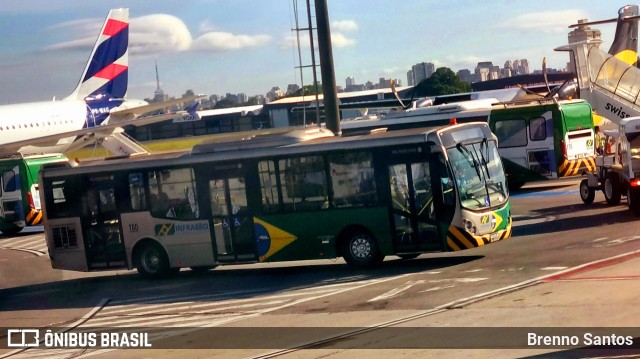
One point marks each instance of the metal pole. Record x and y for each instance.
(332, 116)
(313, 63)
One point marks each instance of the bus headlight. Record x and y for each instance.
(468, 225)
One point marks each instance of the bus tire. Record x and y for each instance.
(9, 231)
(361, 249)
(611, 189)
(633, 201)
(587, 194)
(152, 261)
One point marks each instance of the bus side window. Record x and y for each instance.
(9, 181)
(136, 192)
(511, 133)
(303, 183)
(352, 179)
(173, 194)
(268, 186)
(537, 129)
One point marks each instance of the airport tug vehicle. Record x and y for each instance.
(617, 167)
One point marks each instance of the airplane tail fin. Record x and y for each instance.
(192, 111)
(106, 72)
(625, 43)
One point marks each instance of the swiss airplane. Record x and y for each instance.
(96, 110)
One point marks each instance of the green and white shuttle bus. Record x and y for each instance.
(304, 195)
(19, 197)
(539, 139)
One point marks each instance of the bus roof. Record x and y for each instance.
(245, 149)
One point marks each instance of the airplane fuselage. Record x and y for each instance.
(31, 120)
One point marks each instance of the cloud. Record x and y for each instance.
(153, 34)
(158, 33)
(223, 41)
(340, 40)
(344, 26)
(554, 22)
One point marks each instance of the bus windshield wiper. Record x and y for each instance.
(466, 151)
(485, 144)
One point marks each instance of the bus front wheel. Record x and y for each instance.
(361, 250)
(152, 261)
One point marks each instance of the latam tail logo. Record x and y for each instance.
(103, 84)
(108, 70)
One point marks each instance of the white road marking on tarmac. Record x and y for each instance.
(523, 222)
(396, 291)
(553, 268)
(437, 288)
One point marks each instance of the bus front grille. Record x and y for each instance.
(64, 237)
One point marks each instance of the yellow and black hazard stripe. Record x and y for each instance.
(459, 239)
(34, 218)
(576, 167)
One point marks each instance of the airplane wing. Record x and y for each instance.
(119, 115)
(68, 141)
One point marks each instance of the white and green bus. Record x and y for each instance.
(303, 195)
(539, 139)
(19, 197)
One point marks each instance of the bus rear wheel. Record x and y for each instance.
(633, 200)
(152, 261)
(361, 250)
(9, 231)
(611, 189)
(586, 194)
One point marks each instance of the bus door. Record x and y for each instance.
(414, 218)
(232, 220)
(101, 225)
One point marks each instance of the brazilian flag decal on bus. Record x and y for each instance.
(459, 238)
(270, 239)
(165, 229)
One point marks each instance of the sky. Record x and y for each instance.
(247, 46)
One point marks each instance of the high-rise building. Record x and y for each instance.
(422, 71)
(292, 89)
(350, 82)
(410, 78)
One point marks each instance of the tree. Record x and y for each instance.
(308, 90)
(442, 82)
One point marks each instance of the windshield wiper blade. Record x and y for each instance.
(466, 151)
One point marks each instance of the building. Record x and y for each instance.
(274, 94)
(485, 71)
(422, 71)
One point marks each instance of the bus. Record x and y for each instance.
(19, 196)
(539, 139)
(304, 195)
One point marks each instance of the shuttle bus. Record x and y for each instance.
(303, 195)
(19, 197)
(539, 139)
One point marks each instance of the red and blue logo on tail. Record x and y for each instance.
(103, 85)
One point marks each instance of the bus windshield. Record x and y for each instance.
(479, 176)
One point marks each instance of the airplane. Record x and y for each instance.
(97, 109)
(609, 80)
